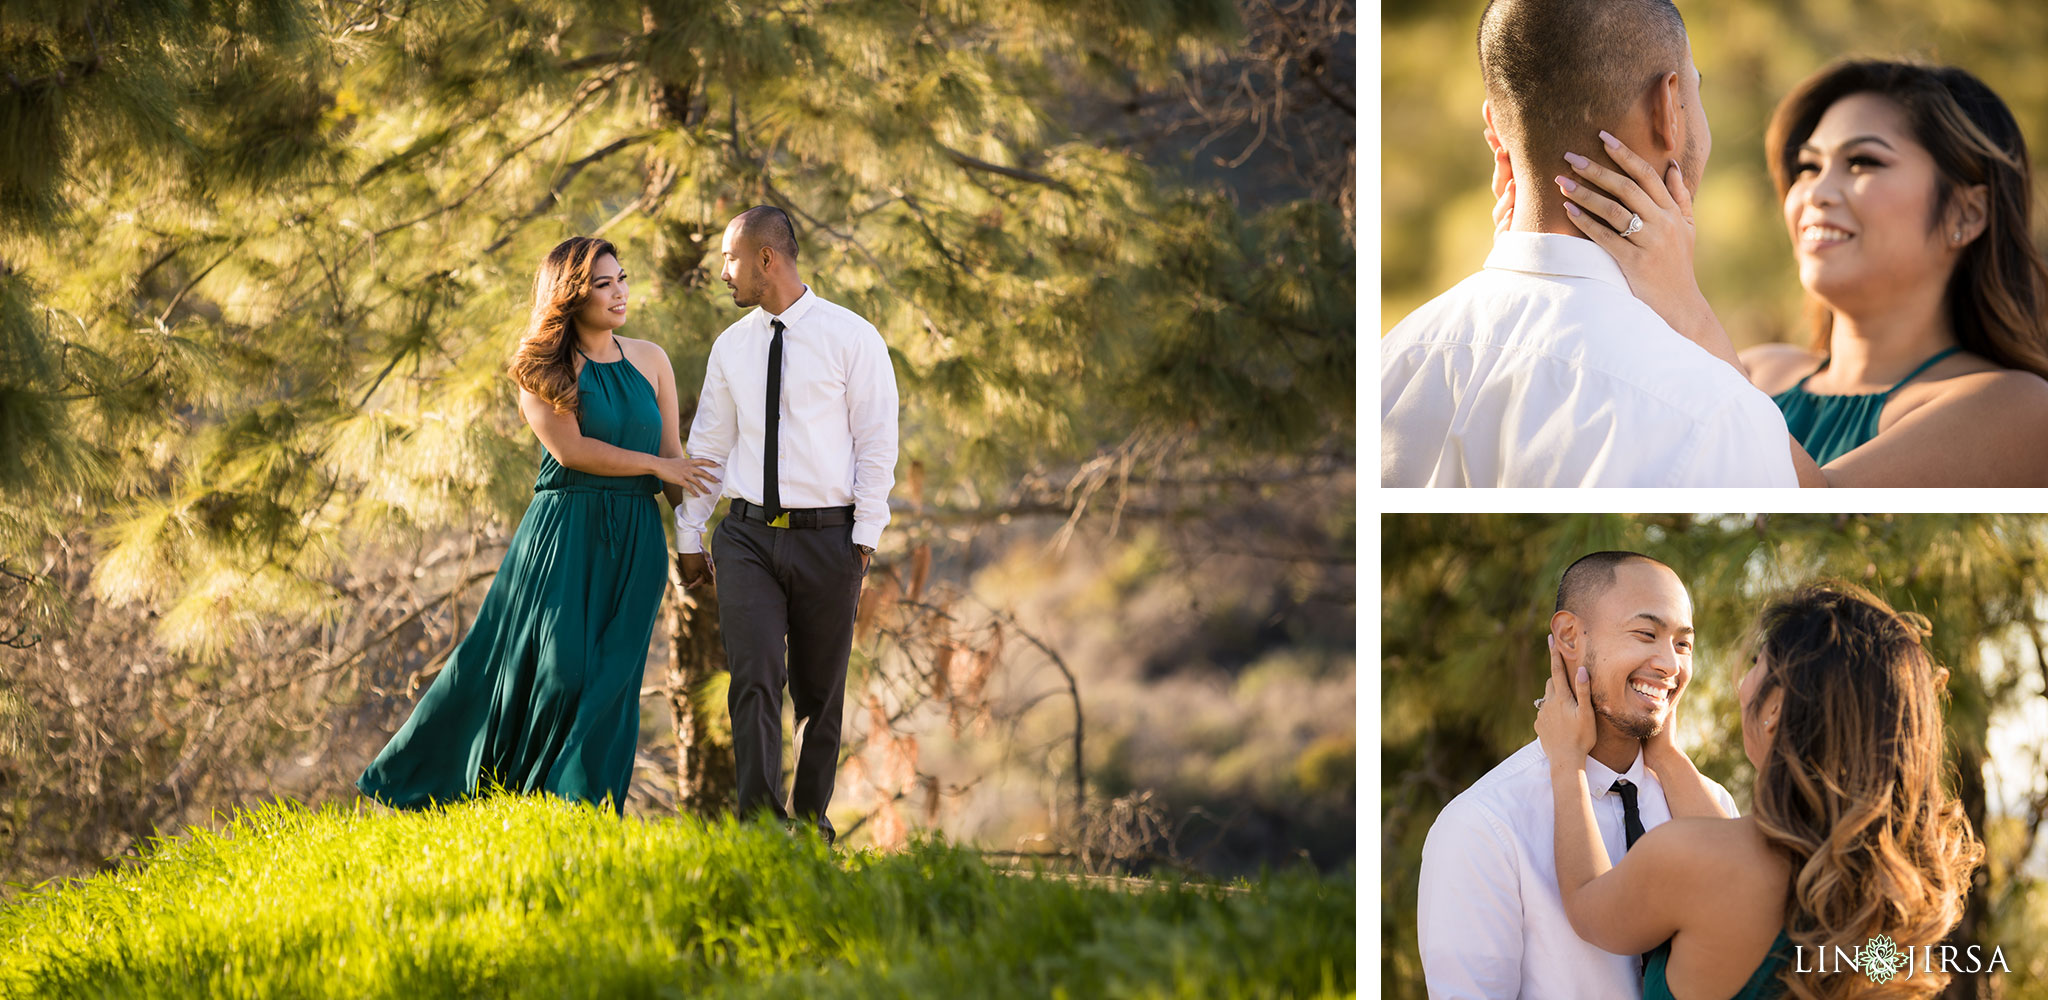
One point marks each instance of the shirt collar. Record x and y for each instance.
(795, 311)
(1555, 254)
(1600, 777)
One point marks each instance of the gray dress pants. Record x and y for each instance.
(786, 604)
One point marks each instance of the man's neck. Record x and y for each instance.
(1544, 215)
(781, 295)
(1617, 752)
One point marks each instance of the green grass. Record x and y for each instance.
(532, 896)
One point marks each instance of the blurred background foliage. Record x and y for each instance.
(1435, 204)
(1466, 602)
(262, 261)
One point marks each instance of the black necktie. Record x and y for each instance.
(771, 487)
(1631, 831)
(1631, 820)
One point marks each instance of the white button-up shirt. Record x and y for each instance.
(1489, 915)
(837, 425)
(1543, 370)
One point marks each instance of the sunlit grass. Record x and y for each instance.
(531, 896)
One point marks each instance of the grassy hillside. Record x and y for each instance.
(513, 896)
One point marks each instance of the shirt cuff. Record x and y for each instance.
(688, 542)
(869, 535)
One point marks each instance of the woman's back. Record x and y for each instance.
(1734, 930)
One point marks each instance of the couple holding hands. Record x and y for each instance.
(796, 424)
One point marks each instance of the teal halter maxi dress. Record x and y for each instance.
(543, 694)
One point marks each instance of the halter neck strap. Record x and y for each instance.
(615, 344)
(1924, 365)
(1910, 376)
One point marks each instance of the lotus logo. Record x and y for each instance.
(1882, 960)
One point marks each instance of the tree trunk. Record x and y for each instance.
(704, 776)
(1976, 906)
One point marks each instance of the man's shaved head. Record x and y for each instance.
(1558, 71)
(1585, 580)
(768, 226)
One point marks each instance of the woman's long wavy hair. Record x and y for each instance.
(545, 363)
(1997, 298)
(1852, 788)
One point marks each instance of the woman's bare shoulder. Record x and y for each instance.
(642, 348)
(1775, 368)
(1976, 390)
(649, 357)
(1716, 843)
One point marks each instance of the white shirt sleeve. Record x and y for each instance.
(712, 434)
(1468, 912)
(871, 417)
(1726, 800)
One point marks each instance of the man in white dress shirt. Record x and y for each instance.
(799, 405)
(1543, 369)
(1489, 916)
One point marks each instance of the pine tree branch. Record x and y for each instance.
(1013, 173)
(554, 192)
(590, 89)
(196, 279)
(617, 57)
(161, 260)
(937, 243)
(647, 199)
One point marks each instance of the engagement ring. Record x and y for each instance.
(1635, 225)
(1539, 703)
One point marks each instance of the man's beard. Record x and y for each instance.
(1690, 166)
(1638, 727)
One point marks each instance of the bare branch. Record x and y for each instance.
(590, 89)
(554, 192)
(1014, 173)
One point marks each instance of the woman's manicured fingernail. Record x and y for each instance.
(1567, 183)
(1612, 142)
(1577, 161)
(1569, 207)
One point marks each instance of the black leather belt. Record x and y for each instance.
(803, 517)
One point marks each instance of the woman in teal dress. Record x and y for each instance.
(543, 693)
(1907, 193)
(1852, 834)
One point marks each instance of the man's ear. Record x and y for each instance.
(1667, 118)
(1503, 165)
(1571, 642)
